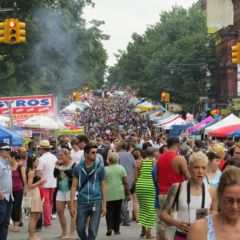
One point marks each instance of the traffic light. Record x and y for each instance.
(85, 89)
(236, 54)
(11, 31)
(128, 88)
(76, 96)
(167, 97)
(21, 32)
(2, 32)
(163, 96)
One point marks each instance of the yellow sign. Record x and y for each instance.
(225, 112)
(219, 14)
(73, 132)
(235, 104)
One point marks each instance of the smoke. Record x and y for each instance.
(57, 50)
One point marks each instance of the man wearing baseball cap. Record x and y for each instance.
(6, 198)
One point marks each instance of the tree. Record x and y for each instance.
(170, 56)
(61, 54)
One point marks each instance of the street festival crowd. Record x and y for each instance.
(183, 188)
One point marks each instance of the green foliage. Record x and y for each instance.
(170, 56)
(61, 54)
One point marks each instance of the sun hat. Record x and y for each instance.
(45, 144)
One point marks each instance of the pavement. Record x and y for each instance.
(127, 232)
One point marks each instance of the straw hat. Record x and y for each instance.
(45, 144)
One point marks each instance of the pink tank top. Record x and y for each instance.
(17, 181)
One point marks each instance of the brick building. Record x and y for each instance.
(227, 83)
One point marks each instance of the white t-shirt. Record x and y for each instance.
(46, 165)
(185, 214)
(77, 155)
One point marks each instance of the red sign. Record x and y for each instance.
(27, 104)
(24, 107)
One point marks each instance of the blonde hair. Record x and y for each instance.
(198, 156)
(66, 152)
(217, 149)
(114, 157)
(229, 177)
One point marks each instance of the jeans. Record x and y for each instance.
(85, 211)
(113, 215)
(124, 212)
(47, 206)
(5, 213)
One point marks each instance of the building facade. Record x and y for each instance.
(226, 86)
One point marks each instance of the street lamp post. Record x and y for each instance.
(10, 113)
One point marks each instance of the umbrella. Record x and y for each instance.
(4, 120)
(42, 122)
(225, 131)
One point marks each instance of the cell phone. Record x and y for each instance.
(201, 213)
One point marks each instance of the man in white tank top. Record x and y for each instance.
(192, 199)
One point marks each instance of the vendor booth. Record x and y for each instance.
(10, 137)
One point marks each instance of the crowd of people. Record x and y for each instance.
(185, 188)
(168, 190)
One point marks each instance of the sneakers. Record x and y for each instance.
(54, 216)
(109, 233)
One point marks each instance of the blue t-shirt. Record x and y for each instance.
(215, 181)
(91, 191)
(154, 175)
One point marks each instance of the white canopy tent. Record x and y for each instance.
(4, 121)
(74, 106)
(167, 119)
(177, 121)
(41, 122)
(227, 121)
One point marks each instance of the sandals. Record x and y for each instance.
(14, 229)
(149, 235)
(143, 232)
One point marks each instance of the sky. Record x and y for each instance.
(124, 17)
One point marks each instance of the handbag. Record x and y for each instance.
(27, 202)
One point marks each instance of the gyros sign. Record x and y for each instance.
(27, 104)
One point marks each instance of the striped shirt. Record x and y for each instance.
(5, 179)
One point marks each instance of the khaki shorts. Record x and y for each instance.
(162, 226)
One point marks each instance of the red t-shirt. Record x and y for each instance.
(166, 174)
(222, 164)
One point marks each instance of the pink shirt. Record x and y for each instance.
(17, 181)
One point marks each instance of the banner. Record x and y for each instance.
(24, 107)
(219, 14)
(27, 104)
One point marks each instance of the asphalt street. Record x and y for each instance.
(127, 232)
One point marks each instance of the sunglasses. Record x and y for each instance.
(93, 153)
